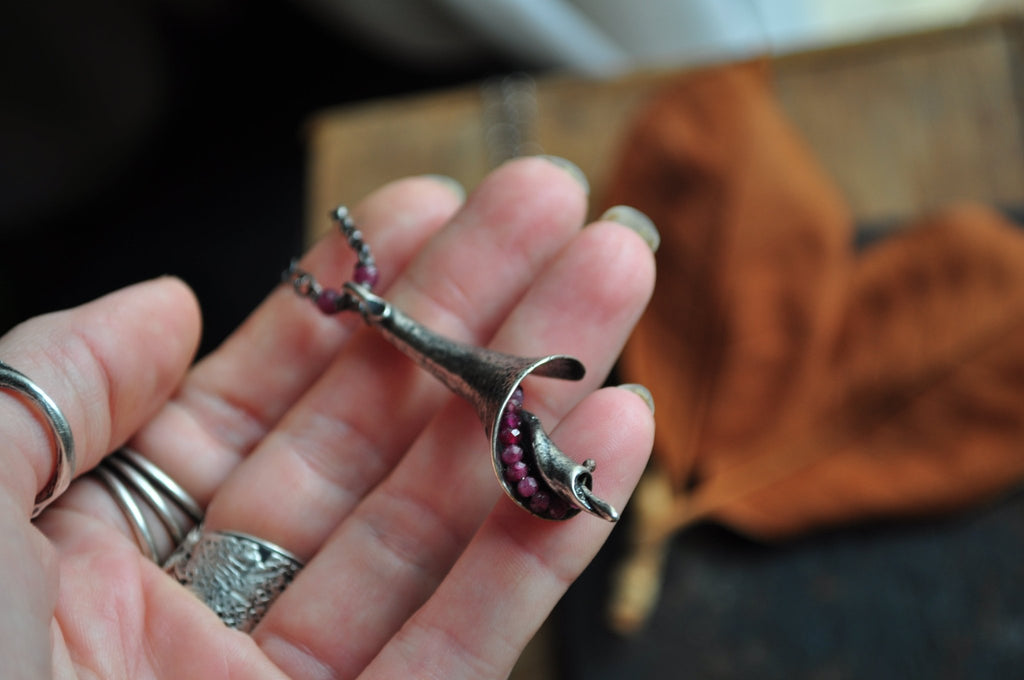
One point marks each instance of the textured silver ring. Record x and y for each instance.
(64, 443)
(129, 477)
(238, 576)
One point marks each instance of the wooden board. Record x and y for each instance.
(907, 125)
(902, 124)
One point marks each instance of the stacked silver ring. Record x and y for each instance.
(132, 478)
(238, 576)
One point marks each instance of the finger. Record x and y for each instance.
(351, 428)
(515, 570)
(495, 596)
(109, 365)
(237, 394)
(402, 539)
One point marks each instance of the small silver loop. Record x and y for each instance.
(64, 443)
(373, 307)
(237, 575)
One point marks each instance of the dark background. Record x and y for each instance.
(140, 138)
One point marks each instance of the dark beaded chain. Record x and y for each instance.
(333, 300)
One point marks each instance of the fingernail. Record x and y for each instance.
(640, 391)
(453, 184)
(570, 168)
(637, 221)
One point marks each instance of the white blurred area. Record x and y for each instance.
(605, 37)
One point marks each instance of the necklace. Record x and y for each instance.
(533, 472)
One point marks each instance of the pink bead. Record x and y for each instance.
(539, 502)
(527, 487)
(516, 472)
(557, 509)
(516, 400)
(327, 301)
(366, 275)
(511, 455)
(510, 435)
(510, 420)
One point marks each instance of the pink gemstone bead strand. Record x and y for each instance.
(516, 468)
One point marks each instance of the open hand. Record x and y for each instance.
(313, 433)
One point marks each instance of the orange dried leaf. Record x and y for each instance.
(922, 408)
(751, 267)
(799, 384)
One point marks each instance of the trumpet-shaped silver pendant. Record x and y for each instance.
(529, 466)
(531, 469)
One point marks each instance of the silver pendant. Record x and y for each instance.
(489, 381)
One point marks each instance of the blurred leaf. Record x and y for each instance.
(922, 406)
(800, 384)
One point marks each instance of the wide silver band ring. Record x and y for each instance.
(130, 478)
(64, 444)
(238, 576)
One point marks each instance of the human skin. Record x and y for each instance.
(312, 432)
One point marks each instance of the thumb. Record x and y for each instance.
(108, 365)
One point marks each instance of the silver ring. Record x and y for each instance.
(64, 443)
(129, 476)
(238, 576)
